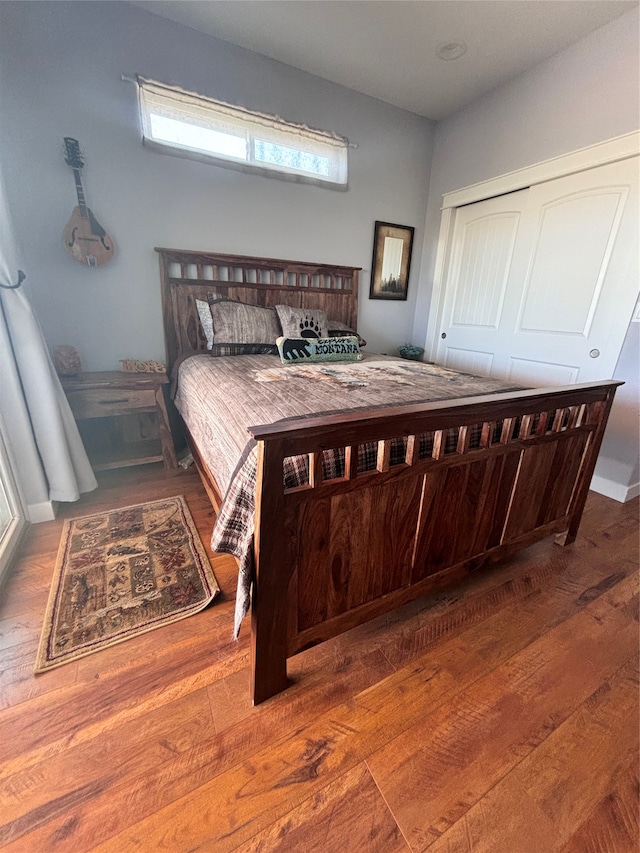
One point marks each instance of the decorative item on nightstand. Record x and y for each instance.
(411, 352)
(132, 365)
(66, 361)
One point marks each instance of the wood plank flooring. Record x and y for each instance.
(500, 716)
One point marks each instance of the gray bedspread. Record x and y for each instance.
(219, 398)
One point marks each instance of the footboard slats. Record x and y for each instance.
(543, 420)
(452, 450)
(559, 419)
(384, 455)
(464, 439)
(526, 425)
(450, 487)
(486, 439)
(439, 444)
(575, 415)
(508, 429)
(351, 461)
(315, 469)
(413, 448)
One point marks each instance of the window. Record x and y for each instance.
(204, 128)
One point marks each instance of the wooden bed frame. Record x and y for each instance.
(332, 554)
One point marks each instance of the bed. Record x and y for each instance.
(450, 486)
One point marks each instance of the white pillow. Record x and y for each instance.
(206, 320)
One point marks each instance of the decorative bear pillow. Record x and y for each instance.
(302, 322)
(296, 350)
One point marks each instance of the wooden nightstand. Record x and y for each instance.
(122, 417)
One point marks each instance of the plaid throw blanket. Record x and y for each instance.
(220, 397)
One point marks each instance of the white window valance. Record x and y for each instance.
(195, 125)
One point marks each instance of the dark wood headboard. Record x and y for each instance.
(187, 276)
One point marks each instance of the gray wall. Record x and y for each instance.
(60, 67)
(586, 94)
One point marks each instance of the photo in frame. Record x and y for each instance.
(391, 261)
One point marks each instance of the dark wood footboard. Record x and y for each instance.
(502, 471)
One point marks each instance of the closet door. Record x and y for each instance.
(484, 268)
(543, 282)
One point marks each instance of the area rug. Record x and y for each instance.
(122, 573)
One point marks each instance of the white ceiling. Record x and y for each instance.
(387, 48)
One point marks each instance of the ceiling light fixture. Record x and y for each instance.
(451, 49)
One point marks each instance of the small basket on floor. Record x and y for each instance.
(411, 352)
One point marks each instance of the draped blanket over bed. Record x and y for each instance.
(401, 485)
(219, 398)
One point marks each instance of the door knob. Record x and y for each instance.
(443, 335)
(594, 353)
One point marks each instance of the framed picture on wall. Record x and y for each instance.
(391, 262)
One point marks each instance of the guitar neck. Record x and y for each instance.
(80, 193)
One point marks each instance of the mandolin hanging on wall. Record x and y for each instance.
(83, 237)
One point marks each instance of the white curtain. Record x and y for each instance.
(51, 462)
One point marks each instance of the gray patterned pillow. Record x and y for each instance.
(302, 322)
(237, 323)
(337, 329)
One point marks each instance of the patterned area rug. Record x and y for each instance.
(121, 573)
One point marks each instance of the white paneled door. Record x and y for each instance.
(542, 282)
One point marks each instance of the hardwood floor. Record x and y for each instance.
(500, 716)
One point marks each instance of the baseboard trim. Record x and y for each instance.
(44, 511)
(614, 490)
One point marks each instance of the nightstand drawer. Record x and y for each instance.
(102, 402)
